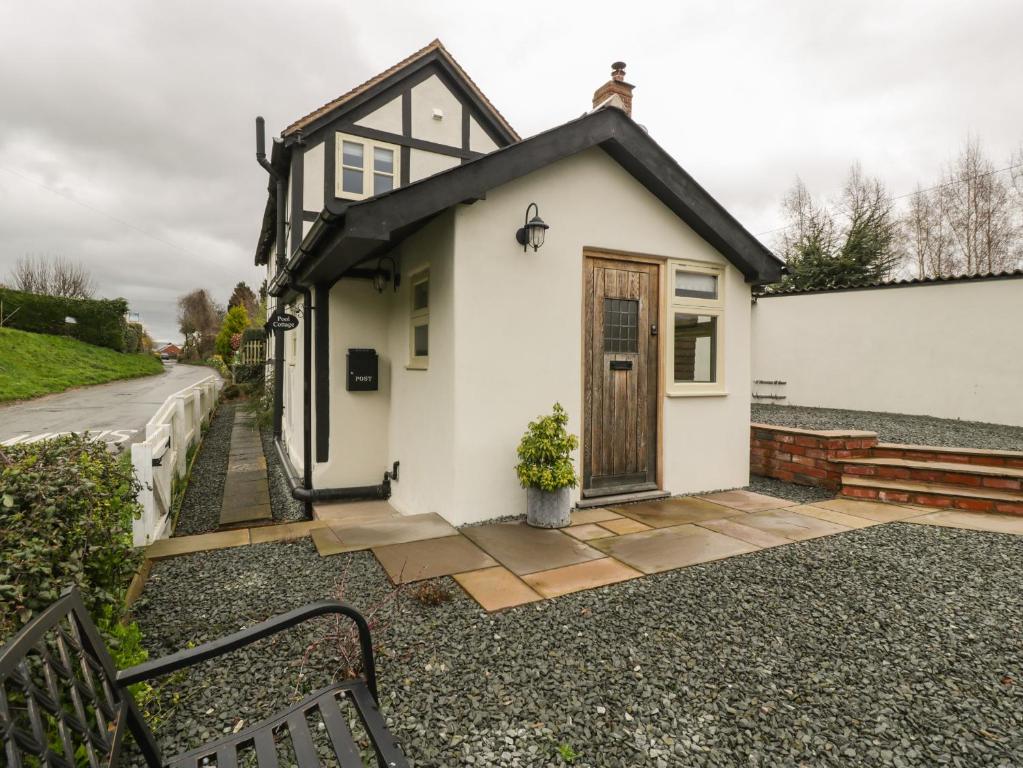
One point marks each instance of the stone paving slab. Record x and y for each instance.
(354, 510)
(246, 465)
(243, 514)
(872, 510)
(284, 532)
(183, 545)
(734, 527)
(327, 543)
(587, 531)
(594, 515)
(496, 588)
(830, 515)
(418, 560)
(665, 513)
(399, 530)
(972, 521)
(575, 578)
(246, 476)
(664, 549)
(625, 525)
(747, 501)
(523, 549)
(791, 525)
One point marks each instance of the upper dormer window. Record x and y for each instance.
(365, 167)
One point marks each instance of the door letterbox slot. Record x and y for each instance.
(621, 365)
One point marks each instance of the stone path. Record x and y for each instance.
(246, 490)
(502, 565)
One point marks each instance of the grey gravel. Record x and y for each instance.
(200, 508)
(804, 494)
(893, 645)
(895, 427)
(285, 508)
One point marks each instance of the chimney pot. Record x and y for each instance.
(615, 92)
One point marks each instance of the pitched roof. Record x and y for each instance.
(344, 98)
(369, 227)
(906, 283)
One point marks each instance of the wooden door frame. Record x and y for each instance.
(661, 263)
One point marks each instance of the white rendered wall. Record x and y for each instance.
(518, 336)
(952, 350)
(386, 118)
(427, 96)
(358, 453)
(291, 423)
(423, 163)
(313, 169)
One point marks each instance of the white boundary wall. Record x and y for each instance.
(952, 350)
(175, 428)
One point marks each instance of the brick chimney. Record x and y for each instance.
(615, 92)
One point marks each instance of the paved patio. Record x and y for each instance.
(505, 564)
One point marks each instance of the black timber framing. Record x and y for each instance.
(321, 352)
(369, 227)
(296, 222)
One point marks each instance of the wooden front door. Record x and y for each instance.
(620, 355)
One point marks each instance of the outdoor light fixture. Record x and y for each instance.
(381, 275)
(533, 231)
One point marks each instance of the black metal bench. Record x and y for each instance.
(62, 702)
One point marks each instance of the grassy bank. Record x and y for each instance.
(33, 364)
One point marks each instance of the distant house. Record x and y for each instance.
(430, 334)
(172, 350)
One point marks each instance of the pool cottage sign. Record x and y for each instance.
(432, 330)
(282, 321)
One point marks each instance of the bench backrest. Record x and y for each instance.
(59, 700)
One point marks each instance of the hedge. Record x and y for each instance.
(97, 321)
(66, 511)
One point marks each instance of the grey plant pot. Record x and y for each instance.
(549, 509)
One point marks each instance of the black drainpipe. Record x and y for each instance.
(280, 248)
(307, 396)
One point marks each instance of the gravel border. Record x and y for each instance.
(804, 494)
(895, 427)
(285, 507)
(200, 509)
(891, 645)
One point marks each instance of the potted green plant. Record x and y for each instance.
(545, 470)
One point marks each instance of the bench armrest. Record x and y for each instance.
(214, 648)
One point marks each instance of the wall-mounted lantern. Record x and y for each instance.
(533, 231)
(381, 276)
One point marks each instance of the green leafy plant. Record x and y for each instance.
(66, 511)
(545, 453)
(567, 753)
(236, 321)
(97, 321)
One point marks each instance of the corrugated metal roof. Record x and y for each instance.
(776, 290)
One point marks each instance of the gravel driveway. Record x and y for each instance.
(895, 427)
(892, 645)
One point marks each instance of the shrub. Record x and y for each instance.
(66, 510)
(97, 321)
(230, 392)
(236, 321)
(249, 373)
(545, 453)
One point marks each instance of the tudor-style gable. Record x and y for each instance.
(422, 116)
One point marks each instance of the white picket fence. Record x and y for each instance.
(163, 455)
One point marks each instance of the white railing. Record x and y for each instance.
(163, 455)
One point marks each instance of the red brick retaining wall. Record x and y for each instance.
(806, 456)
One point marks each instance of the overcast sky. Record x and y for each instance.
(127, 139)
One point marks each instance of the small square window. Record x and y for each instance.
(383, 160)
(351, 154)
(695, 285)
(421, 341)
(421, 294)
(351, 181)
(695, 348)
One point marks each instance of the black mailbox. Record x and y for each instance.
(362, 370)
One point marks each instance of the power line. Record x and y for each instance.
(917, 191)
(101, 212)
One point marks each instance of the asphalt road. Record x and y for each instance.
(115, 413)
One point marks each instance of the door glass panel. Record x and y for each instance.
(695, 346)
(621, 318)
(695, 285)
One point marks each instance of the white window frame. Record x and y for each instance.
(695, 306)
(418, 318)
(368, 170)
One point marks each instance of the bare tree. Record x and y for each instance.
(53, 276)
(928, 242)
(974, 202)
(199, 321)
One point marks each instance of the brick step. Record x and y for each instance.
(978, 456)
(948, 472)
(926, 494)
